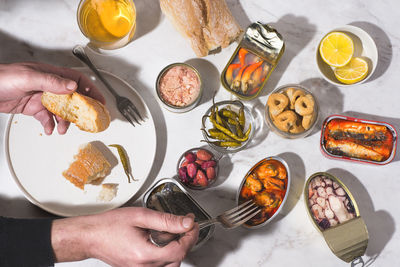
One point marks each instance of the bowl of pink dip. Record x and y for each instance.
(179, 87)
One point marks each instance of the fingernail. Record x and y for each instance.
(187, 222)
(71, 85)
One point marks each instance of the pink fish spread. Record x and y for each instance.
(179, 86)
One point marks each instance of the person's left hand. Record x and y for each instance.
(22, 84)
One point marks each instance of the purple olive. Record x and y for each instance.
(190, 157)
(191, 170)
(183, 175)
(208, 164)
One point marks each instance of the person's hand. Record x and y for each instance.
(22, 84)
(120, 237)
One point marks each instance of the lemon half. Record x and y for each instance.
(336, 49)
(355, 71)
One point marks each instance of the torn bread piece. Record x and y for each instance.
(89, 165)
(108, 192)
(208, 24)
(87, 113)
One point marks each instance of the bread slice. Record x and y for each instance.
(88, 165)
(208, 24)
(87, 113)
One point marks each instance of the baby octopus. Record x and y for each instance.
(329, 203)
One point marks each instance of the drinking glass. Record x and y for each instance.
(108, 24)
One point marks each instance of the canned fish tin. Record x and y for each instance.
(268, 183)
(168, 195)
(335, 214)
(253, 61)
(358, 140)
(179, 87)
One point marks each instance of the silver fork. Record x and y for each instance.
(229, 219)
(124, 105)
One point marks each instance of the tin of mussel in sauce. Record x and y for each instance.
(168, 195)
(334, 212)
(358, 140)
(250, 66)
(267, 183)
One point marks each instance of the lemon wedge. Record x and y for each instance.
(116, 17)
(336, 49)
(355, 71)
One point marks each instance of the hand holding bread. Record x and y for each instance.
(22, 84)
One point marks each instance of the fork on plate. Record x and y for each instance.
(229, 219)
(124, 105)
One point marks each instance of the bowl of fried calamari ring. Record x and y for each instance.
(291, 111)
(227, 126)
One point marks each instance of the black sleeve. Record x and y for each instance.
(25, 242)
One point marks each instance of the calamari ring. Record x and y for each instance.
(304, 105)
(297, 127)
(307, 120)
(277, 102)
(285, 120)
(293, 95)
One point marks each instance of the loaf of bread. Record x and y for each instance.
(87, 113)
(88, 166)
(208, 24)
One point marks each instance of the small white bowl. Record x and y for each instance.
(364, 46)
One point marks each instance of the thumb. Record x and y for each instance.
(167, 222)
(49, 82)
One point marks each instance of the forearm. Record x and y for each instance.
(70, 239)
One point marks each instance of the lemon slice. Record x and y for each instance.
(355, 71)
(115, 16)
(336, 49)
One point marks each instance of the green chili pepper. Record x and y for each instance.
(229, 133)
(217, 134)
(239, 130)
(229, 113)
(124, 160)
(224, 143)
(242, 119)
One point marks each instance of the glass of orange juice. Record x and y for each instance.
(108, 24)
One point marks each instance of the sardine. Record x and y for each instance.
(342, 129)
(345, 148)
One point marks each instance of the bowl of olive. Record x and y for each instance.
(227, 126)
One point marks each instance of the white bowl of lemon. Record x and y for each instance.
(347, 56)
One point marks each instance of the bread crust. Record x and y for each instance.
(208, 24)
(85, 112)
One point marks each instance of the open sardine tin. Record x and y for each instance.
(253, 61)
(358, 140)
(169, 195)
(335, 214)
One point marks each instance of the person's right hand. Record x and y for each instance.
(120, 237)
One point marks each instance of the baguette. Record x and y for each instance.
(88, 166)
(86, 113)
(208, 24)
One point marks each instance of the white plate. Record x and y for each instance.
(364, 46)
(36, 161)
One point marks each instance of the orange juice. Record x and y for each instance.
(108, 24)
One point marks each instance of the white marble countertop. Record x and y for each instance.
(46, 31)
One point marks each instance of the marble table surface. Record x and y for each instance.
(40, 30)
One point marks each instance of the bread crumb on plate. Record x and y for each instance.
(108, 192)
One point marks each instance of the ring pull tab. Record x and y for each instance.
(358, 262)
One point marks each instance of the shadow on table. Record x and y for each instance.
(297, 32)
(395, 122)
(380, 224)
(238, 13)
(20, 208)
(209, 76)
(382, 41)
(329, 97)
(148, 16)
(15, 50)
